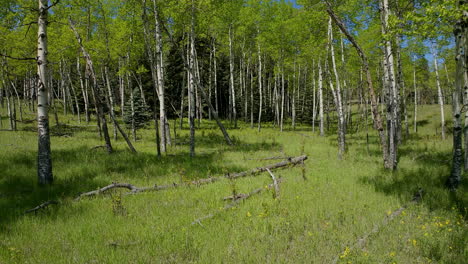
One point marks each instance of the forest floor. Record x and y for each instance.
(347, 211)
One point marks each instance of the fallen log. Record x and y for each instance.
(290, 162)
(233, 204)
(273, 158)
(41, 206)
(133, 189)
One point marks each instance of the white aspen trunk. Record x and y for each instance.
(191, 87)
(337, 96)
(282, 99)
(210, 78)
(215, 65)
(260, 88)
(293, 99)
(231, 80)
(415, 102)
(109, 96)
(44, 161)
(314, 99)
(320, 95)
(251, 100)
(246, 105)
(440, 95)
(393, 90)
(83, 90)
(160, 77)
(77, 105)
(121, 90)
(461, 87)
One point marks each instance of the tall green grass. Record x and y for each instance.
(316, 220)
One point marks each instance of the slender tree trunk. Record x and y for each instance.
(337, 97)
(374, 106)
(441, 97)
(83, 91)
(314, 99)
(44, 160)
(293, 100)
(393, 90)
(160, 77)
(415, 102)
(191, 87)
(320, 97)
(210, 78)
(282, 99)
(260, 88)
(98, 101)
(461, 86)
(232, 103)
(251, 100)
(215, 66)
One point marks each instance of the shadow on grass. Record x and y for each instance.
(431, 175)
(80, 169)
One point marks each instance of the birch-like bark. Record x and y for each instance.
(232, 102)
(440, 95)
(160, 77)
(461, 87)
(44, 160)
(374, 105)
(260, 87)
(251, 99)
(320, 98)
(99, 104)
(337, 96)
(83, 90)
(191, 78)
(282, 98)
(393, 90)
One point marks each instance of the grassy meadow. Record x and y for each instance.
(323, 210)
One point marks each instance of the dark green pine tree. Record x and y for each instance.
(138, 115)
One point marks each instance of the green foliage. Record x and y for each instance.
(141, 114)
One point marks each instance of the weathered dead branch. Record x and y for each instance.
(290, 162)
(274, 158)
(275, 183)
(133, 189)
(41, 206)
(242, 197)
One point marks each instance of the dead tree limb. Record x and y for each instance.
(41, 206)
(290, 162)
(133, 189)
(232, 204)
(275, 183)
(273, 158)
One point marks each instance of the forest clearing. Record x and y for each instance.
(233, 131)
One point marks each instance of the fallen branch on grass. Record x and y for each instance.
(133, 189)
(286, 163)
(41, 206)
(97, 147)
(275, 183)
(233, 204)
(363, 240)
(273, 158)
